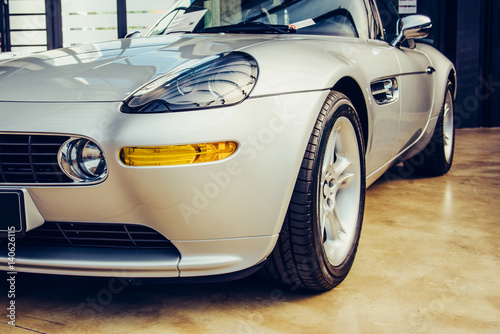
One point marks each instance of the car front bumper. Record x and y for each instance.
(222, 217)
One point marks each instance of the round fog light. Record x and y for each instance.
(82, 160)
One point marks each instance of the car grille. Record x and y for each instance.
(28, 159)
(95, 235)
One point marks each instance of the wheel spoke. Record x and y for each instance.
(340, 166)
(343, 179)
(331, 231)
(446, 110)
(329, 159)
(335, 134)
(340, 226)
(447, 139)
(329, 155)
(325, 223)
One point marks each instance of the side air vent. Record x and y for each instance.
(385, 91)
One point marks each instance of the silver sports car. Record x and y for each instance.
(238, 135)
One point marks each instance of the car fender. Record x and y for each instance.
(444, 72)
(302, 66)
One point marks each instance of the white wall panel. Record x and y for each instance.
(27, 22)
(141, 15)
(26, 6)
(28, 37)
(26, 40)
(89, 21)
(28, 49)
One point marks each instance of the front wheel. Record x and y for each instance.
(321, 231)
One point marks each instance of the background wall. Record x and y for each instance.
(37, 25)
(467, 32)
(476, 57)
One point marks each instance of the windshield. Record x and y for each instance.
(320, 17)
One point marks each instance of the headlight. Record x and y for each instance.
(224, 81)
(82, 160)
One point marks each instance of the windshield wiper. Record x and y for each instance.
(250, 27)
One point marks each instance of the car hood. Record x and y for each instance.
(106, 72)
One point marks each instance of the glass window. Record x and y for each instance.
(389, 17)
(89, 21)
(141, 15)
(334, 17)
(374, 23)
(389, 14)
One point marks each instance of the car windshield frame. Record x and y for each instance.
(314, 17)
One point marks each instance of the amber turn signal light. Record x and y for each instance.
(177, 154)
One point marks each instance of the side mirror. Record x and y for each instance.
(412, 27)
(133, 34)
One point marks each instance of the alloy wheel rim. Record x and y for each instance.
(448, 127)
(339, 191)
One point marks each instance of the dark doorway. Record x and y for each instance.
(490, 76)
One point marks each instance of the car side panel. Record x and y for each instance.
(444, 67)
(416, 93)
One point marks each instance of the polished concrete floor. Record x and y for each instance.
(428, 262)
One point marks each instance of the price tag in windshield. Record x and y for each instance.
(302, 24)
(186, 22)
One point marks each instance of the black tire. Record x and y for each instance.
(437, 157)
(303, 256)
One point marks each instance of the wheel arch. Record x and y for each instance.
(350, 88)
(442, 84)
(445, 71)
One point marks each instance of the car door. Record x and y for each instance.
(415, 79)
(380, 65)
(416, 94)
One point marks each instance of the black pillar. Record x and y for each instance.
(121, 6)
(468, 107)
(495, 61)
(489, 91)
(53, 16)
(449, 29)
(4, 25)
